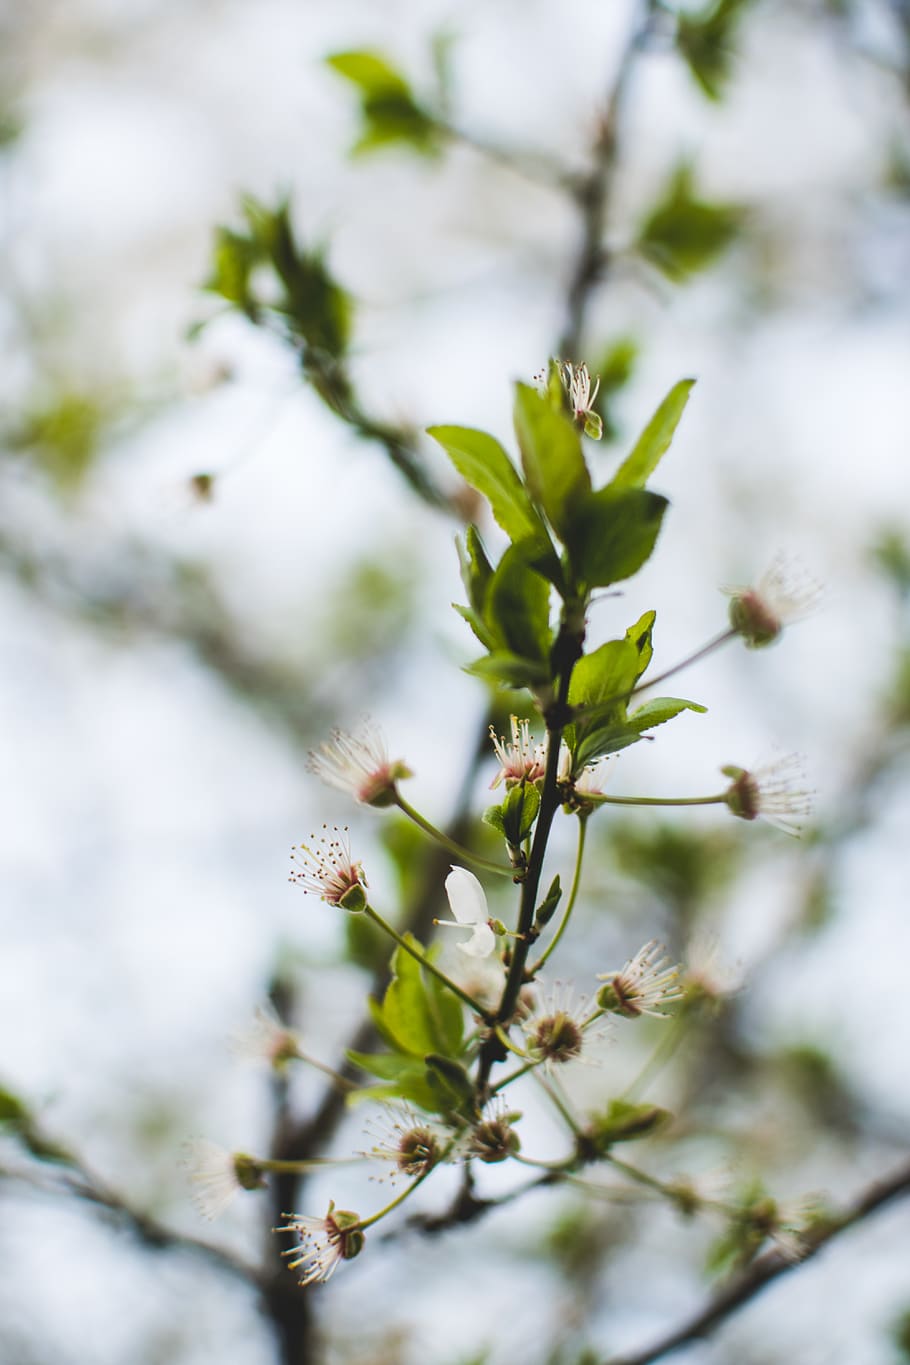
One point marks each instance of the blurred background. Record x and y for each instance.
(221, 533)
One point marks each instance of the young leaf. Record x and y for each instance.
(407, 1016)
(612, 534)
(654, 441)
(660, 710)
(482, 462)
(551, 457)
(510, 670)
(519, 811)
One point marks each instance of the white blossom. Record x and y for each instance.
(645, 985)
(775, 791)
(520, 761)
(267, 1039)
(577, 384)
(322, 1243)
(468, 904)
(357, 762)
(216, 1175)
(325, 868)
(408, 1142)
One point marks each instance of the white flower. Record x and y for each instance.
(409, 1143)
(708, 976)
(323, 1242)
(357, 762)
(520, 761)
(267, 1039)
(325, 868)
(216, 1175)
(557, 1029)
(775, 791)
(577, 383)
(785, 593)
(468, 904)
(646, 984)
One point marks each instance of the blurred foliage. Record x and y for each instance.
(900, 1334)
(683, 867)
(683, 233)
(705, 40)
(298, 286)
(614, 369)
(389, 110)
(63, 434)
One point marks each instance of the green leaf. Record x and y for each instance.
(483, 633)
(623, 1121)
(551, 457)
(606, 673)
(704, 41)
(476, 569)
(447, 1012)
(510, 670)
(483, 463)
(613, 533)
(518, 605)
(388, 1066)
(683, 234)
(233, 260)
(406, 1014)
(654, 441)
(547, 908)
(660, 710)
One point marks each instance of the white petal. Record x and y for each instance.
(466, 897)
(481, 943)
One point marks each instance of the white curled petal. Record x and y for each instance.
(481, 943)
(466, 897)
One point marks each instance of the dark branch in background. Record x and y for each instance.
(773, 1264)
(593, 192)
(78, 1181)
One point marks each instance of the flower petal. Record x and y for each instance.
(481, 943)
(466, 897)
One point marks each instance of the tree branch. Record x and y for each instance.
(745, 1287)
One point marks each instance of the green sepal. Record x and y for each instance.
(483, 463)
(547, 908)
(613, 533)
(551, 457)
(654, 441)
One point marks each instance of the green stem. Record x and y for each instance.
(405, 1194)
(298, 1167)
(709, 648)
(509, 1045)
(457, 849)
(551, 1089)
(341, 1081)
(513, 1076)
(573, 895)
(660, 1056)
(601, 800)
(425, 962)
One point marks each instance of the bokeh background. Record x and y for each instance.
(202, 568)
